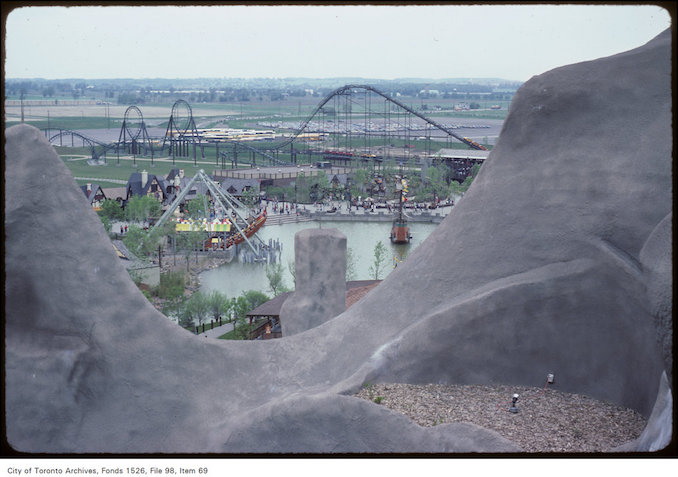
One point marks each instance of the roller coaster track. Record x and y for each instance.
(348, 88)
(91, 143)
(342, 91)
(273, 159)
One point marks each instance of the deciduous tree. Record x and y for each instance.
(379, 260)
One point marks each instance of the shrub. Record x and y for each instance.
(171, 285)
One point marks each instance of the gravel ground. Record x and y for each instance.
(548, 420)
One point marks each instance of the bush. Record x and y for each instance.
(255, 298)
(112, 210)
(171, 285)
(140, 209)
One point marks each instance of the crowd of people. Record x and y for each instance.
(367, 205)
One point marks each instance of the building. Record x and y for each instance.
(265, 319)
(95, 195)
(237, 186)
(144, 184)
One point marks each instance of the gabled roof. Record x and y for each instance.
(239, 184)
(271, 307)
(95, 189)
(172, 174)
(199, 188)
(183, 182)
(115, 192)
(134, 183)
(340, 178)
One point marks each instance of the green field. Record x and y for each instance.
(80, 168)
(245, 114)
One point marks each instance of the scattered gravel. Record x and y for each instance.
(548, 420)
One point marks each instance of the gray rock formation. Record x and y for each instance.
(556, 261)
(320, 275)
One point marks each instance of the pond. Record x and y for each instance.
(236, 277)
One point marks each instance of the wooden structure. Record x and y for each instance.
(265, 319)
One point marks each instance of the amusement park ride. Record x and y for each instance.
(353, 121)
(356, 124)
(232, 211)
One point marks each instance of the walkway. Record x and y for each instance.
(316, 212)
(100, 179)
(217, 331)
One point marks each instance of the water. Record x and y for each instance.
(236, 277)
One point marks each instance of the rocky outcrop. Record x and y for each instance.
(320, 280)
(556, 261)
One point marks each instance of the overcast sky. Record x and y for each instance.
(377, 42)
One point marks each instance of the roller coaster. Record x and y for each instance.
(349, 90)
(353, 122)
(97, 148)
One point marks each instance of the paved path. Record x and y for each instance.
(217, 331)
(99, 179)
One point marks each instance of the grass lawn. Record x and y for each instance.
(111, 170)
(228, 336)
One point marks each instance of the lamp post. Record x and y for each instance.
(348, 191)
(513, 407)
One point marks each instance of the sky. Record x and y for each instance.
(512, 42)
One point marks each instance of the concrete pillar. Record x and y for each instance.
(320, 290)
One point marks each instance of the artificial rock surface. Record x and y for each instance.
(554, 262)
(320, 280)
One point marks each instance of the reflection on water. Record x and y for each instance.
(235, 277)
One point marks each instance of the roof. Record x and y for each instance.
(173, 173)
(340, 178)
(271, 307)
(115, 192)
(361, 283)
(198, 188)
(164, 183)
(239, 184)
(355, 290)
(134, 183)
(463, 153)
(355, 293)
(93, 192)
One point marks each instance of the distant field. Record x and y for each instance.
(79, 167)
(64, 116)
(245, 114)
